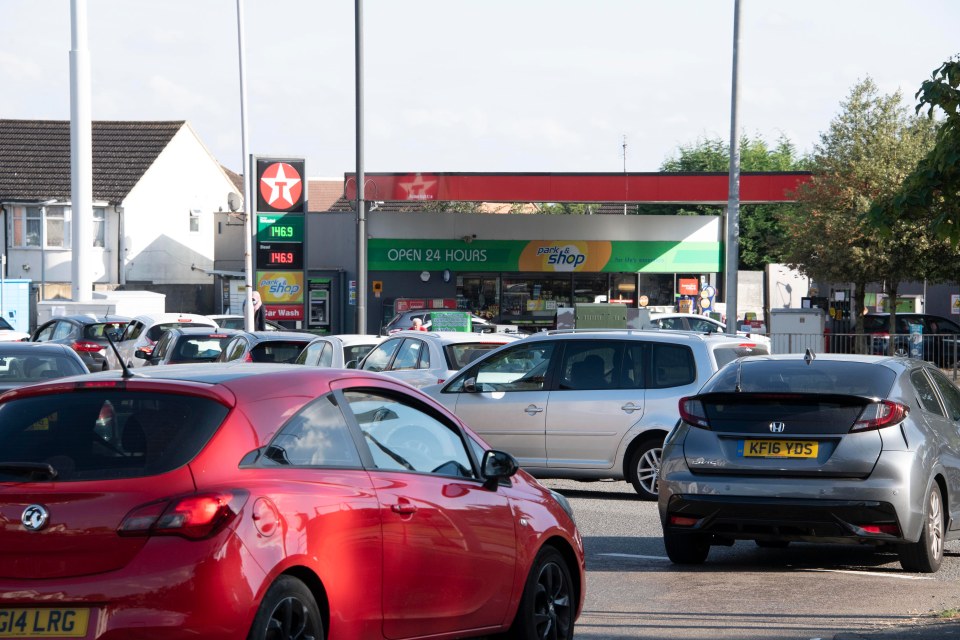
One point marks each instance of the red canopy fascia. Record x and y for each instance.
(693, 188)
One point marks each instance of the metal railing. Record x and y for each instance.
(943, 349)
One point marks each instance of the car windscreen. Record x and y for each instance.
(725, 353)
(463, 353)
(157, 330)
(796, 376)
(199, 348)
(25, 368)
(356, 352)
(103, 434)
(97, 331)
(285, 351)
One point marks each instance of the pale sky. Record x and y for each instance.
(484, 85)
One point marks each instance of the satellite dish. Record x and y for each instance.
(234, 201)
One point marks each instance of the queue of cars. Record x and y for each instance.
(311, 486)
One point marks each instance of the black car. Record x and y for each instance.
(933, 338)
(184, 345)
(23, 363)
(265, 346)
(87, 335)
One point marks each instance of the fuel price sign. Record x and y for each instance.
(280, 228)
(280, 255)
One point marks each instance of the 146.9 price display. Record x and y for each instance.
(279, 255)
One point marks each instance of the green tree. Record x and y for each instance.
(930, 195)
(862, 158)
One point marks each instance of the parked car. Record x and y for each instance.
(424, 358)
(87, 335)
(295, 502)
(829, 448)
(339, 351)
(143, 332)
(588, 405)
(404, 321)
(9, 334)
(939, 337)
(233, 321)
(701, 323)
(23, 363)
(187, 345)
(265, 346)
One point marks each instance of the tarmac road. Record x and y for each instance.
(744, 592)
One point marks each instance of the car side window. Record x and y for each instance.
(673, 366)
(925, 393)
(408, 355)
(326, 355)
(634, 365)
(234, 350)
(402, 437)
(310, 355)
(703, 326)
(63, 330)
(379, 358)
(590, 364)
(133, 330)
(672, 323)
(521, 368)
(317, 436)
(424, 357)
(949, 392)
(46, 333)
(163, 345)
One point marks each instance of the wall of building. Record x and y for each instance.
(160, 247)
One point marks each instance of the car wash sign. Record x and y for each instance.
(281, 207)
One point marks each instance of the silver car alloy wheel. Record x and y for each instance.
(935, 525)
(648, 469)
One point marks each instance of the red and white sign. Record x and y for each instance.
(413, 304)
(417, 186)
(280, 312)
(281, 185)
(689, 286)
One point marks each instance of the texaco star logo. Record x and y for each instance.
(280, 185)
(417, 186)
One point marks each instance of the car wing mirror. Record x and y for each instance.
(498, 465)
(470, 385)
(140, 353)
(351, 365)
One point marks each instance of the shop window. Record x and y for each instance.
(657, 287)
(479, 295)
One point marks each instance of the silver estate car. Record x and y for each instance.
(587, 405)
(829, 448)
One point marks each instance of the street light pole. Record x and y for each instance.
(361, 204)
(247, 191)
(733, 201)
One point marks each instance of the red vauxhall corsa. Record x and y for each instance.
(269, 502)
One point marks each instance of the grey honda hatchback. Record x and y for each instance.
(805, 448)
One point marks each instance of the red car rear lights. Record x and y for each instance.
(194, 517)
(683, 521)
(692, 412)
(886, 529)
(85, 346)
(877, 415)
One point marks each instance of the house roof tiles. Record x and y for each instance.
(35, 157)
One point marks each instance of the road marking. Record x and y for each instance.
(870, 573)
(631, 555)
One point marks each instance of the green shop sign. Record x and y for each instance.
(589, 256)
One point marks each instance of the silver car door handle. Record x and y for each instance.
(630, 407)
(533, 409)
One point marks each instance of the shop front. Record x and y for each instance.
(524, 282)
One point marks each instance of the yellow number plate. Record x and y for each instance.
(779, 449)
(43, 623)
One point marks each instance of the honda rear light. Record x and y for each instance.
(85, 346)
(194, 517)
(878, 415)
(691, 412)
